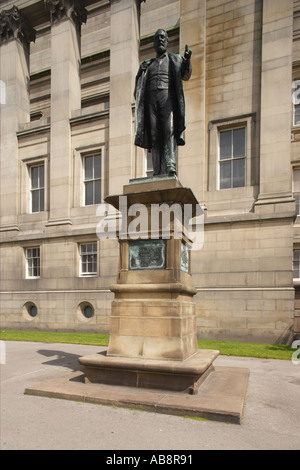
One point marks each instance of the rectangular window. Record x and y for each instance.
(88, 259)
(32, 262)
(296, 102)
(37, 189)
(296, 265)
(92, 179)
(297, 199)
(232, 158)
(297, 115)
(296, 189)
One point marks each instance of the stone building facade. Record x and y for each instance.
(68, 70)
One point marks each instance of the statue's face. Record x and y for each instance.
(160, 41)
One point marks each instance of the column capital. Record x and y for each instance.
(60, 9)
(14, 25)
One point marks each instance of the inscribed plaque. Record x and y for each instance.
(147, 254)
(184, 258)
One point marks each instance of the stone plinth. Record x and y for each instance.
(180, 376)
(153, 313)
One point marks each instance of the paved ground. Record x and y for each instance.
(271, 416)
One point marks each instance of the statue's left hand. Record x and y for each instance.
(187, 53)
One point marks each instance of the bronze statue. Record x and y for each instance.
(160, 104)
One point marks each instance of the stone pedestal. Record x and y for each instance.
(153, 313)
(153, 341)
(178, 376)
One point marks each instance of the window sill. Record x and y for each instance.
(231, 201)
(34, 217)
(84, 276)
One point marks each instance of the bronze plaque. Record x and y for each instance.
(185, 258)
(147, 254)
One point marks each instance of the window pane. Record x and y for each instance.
(36, 267)
(29, 267)
(84, 267)
(88, 168)
(297, 198)
(97, 192)
(41, 199)
(33, 262)
(34, 177)
(225, 175)
(239, 143)
(296, 181)
(239, 173)
(89, 193)
(41, 176)
(297, 115)
(296, 265)
(92, 179)
(37, 188)
(92, 263)
(225, 144)
(97, 166)
(88, 312)
(88, 252)
(35, 206)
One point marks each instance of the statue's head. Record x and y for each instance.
(161, 41)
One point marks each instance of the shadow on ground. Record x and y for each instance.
(61, 359)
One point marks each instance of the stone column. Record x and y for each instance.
(124, 64)
(66, 20)
(15, 36)
(276, 107)
(191, 158)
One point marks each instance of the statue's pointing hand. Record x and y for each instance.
(187, 53)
